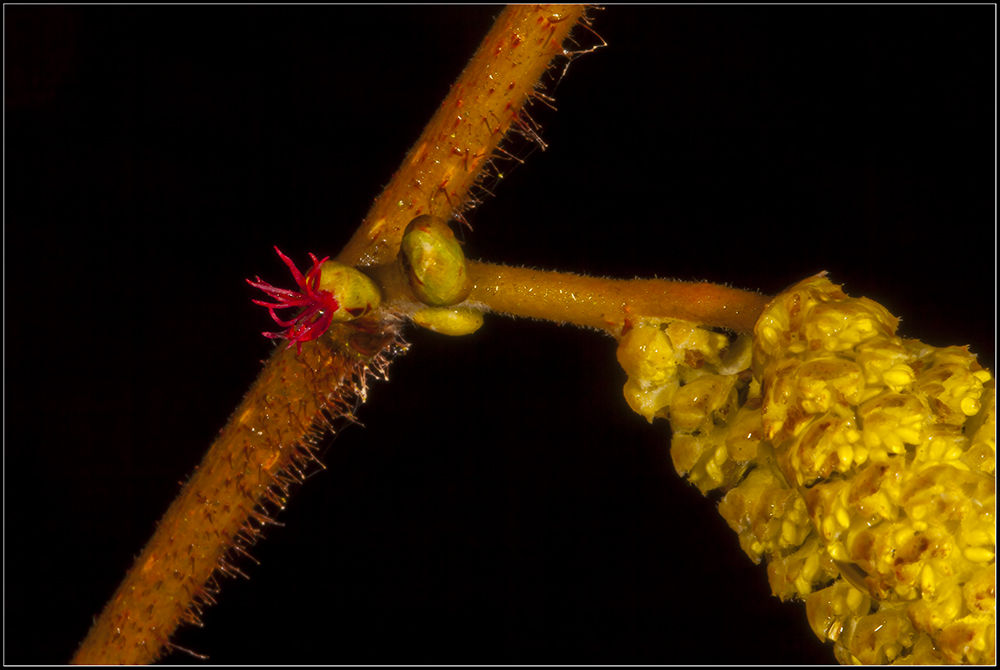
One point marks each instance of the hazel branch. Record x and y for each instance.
(268, 440)
(486, 102)
(221, 509)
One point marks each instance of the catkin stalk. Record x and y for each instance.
(606, 304)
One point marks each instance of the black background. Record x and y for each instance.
(503, 504)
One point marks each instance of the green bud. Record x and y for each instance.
(357, 294)
(434, 262)
(449, 320)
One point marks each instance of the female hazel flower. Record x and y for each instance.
(320, 305)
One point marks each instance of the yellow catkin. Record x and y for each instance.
(859, 464)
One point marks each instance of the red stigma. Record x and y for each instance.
(319, 305)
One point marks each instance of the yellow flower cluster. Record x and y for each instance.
(862, 465)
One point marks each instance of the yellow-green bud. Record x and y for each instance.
(357, 294)
(449, 320)
(434, 262)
